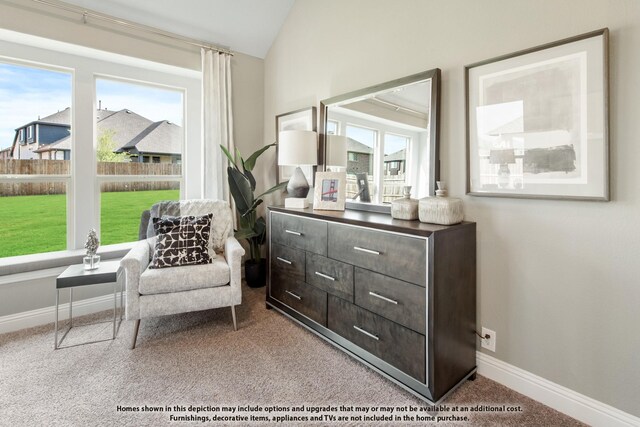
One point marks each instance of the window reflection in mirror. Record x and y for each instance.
(391, 142)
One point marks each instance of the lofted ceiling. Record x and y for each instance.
(246, 26)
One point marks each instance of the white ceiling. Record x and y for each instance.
(247, 26)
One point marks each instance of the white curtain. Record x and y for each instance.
(217, 124)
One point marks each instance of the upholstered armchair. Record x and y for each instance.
(165, 291)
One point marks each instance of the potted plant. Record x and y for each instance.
(251, 227)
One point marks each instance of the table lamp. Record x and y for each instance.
(336, 151)
(297, 148)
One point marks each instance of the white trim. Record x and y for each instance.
(31, 275)
(42, 316)
(87, 52)
(569, 402)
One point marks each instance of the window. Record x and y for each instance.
(136, 119)
(34, 202)
(55, 205)
(395, 166)
(332, 127)
(360, 154)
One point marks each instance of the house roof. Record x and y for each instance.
(161, 137)
(358, 147)
(132, 132)
(61, 144)
(398, 155)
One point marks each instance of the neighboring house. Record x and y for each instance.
(5, 154)
(146, 141)
(394, 163)
(359, 157)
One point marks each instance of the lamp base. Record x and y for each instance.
(296, 203)
(298, 185)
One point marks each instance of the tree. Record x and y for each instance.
(107, 147)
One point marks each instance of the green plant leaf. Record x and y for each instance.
(228, 154)
(245, 234)
(251, 178)
(255, 205)
(261, 230)
(240, 157)
(240, 189)
(274, 188)
(251, 161)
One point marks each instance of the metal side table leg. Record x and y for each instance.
(70, 308)
(55, 343)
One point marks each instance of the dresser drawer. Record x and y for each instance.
(395, 344)
(287, 263)
(394, 299)
(390, 254)
(331, 276)
(300, 233)
(305, 299)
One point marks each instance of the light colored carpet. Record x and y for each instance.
(197, 359)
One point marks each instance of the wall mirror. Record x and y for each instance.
(385, 137)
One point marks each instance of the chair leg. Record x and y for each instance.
(233, 314)
(135, 334)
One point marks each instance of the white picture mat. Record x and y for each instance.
(583, 64)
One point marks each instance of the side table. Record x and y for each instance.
(75, 276)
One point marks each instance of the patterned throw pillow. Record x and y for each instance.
(181, 241)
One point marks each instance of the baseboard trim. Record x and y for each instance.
(569, 402)
(42, 316)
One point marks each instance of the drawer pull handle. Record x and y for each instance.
(369, 334)
(298, 297)
(392, 301)
(369, 251)
(295, 233)
(286, 261)
(325, 276)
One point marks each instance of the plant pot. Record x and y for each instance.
(255, 273)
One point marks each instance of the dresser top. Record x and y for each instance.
(377, 220)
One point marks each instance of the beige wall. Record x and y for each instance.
(559, 281)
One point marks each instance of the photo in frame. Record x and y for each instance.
(330, 191)
(303, 119)
(537, 122)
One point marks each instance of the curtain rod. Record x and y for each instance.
(88, 13)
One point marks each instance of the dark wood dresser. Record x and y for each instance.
(400, 296)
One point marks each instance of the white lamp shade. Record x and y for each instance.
(297, 147)
(336, 151)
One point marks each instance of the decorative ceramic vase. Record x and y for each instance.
(441, 209)
(406, 207)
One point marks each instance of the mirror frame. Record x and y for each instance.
(434, 128)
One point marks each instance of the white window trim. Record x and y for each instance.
(83, 189)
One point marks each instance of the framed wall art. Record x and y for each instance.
(537, 122)
(330, 191)
(303, 119)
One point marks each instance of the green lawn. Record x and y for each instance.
(33, 224)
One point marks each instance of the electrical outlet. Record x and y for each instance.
(488, 343)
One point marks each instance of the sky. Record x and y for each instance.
(27, 93)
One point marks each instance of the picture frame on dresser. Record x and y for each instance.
(537, 121)
(330, 191)
(302, 119)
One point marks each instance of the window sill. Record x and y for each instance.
(30, 263)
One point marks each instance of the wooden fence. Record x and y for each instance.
(63, 167)
(393, 187)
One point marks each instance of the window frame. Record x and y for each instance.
(83, 182)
